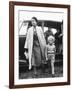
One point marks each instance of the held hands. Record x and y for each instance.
(46, 59)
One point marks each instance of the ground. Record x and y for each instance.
(26, 74)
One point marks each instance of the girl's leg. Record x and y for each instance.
(52, 67)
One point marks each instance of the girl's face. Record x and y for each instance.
(50, 41)
(34, 23)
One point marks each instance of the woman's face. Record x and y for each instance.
(34, 23)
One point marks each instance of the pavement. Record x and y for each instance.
(28, 74)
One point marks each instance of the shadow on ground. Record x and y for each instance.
(28, 74)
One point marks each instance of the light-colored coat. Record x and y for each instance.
(29, 42)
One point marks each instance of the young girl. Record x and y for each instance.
(50, 52)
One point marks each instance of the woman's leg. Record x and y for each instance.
(35, 70)
(34, 65)
(43, 68)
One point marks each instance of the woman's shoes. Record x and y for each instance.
(53, 75)
(35, 75)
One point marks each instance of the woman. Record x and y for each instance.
(35, 43)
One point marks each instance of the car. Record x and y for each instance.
(45, 24)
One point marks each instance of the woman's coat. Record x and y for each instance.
(29, 42)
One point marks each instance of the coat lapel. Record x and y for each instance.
(41, 40)
(29, 42)
(30, 46)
